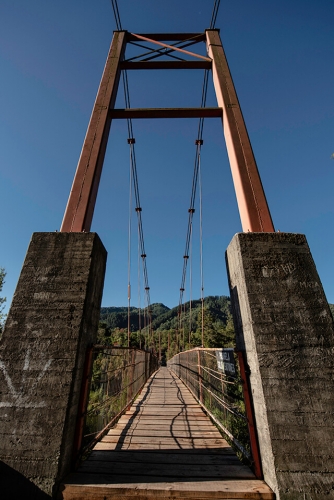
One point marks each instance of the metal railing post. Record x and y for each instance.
(250, 417)
(82, 404)
(199, 376)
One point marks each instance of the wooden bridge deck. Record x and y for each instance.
(165, 447)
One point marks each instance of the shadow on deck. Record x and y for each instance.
(164, 447)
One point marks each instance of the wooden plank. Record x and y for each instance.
(180, 451)
(151, 420)
(177, 442)
(157, 404)
(102, 445)
(138, 414)
(165, 430)
(164, 422)
(149, 410)
(175, 457)
(171, 418)
(163, 411)
(97, 487)
(201, 420)
(191, 415)
(171, 400)
(186, 472)
(165, 425)
(172, 415)
(176, 434)
(167, 439)
(141, 496)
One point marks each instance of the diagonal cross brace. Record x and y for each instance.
(141, 37)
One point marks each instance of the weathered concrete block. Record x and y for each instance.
(285, 327)
(52, 320)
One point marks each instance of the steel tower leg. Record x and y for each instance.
(253, 208)
(80, 207)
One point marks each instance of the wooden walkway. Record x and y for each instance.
(165, 447)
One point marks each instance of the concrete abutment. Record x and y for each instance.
(52, 321)
(285, 328)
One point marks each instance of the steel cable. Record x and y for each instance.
(196, 172)
(134, 169)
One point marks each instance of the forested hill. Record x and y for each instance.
(117, 317)
(217, 326)
(163, 318)
(167, 324)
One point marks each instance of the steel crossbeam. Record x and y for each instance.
(166, 65)
(166, 113)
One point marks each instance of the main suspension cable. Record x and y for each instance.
(190, 286)
(191, 211)
(139, 295)
(116, 15)
(201, 247)
(129, 246)
(199, 143)
(214, 13)
(138, 209)
(134, 175)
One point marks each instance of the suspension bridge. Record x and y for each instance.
(139, 430)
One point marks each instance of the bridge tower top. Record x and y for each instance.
(253, 208)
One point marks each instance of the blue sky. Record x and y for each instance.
(51, 59)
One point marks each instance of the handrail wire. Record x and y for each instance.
(113, 388)
(219, 396)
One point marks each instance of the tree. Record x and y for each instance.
(2, 299)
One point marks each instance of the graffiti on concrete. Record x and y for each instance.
(21, 397)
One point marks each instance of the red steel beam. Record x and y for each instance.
(166, 113)
(166, 65)
(80, 207)
(168, 36)
(253, 208)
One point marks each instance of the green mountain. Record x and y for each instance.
(163, 318)
(170, 324)
(117, 317)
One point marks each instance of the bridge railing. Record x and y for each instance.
(204, 372)
(114, 377)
